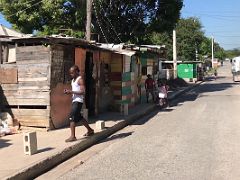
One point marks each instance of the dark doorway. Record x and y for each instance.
(90, 84)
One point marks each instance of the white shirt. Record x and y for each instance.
(76, 87)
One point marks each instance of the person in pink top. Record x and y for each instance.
(163, 90)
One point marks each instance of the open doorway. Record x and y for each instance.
(90, 84)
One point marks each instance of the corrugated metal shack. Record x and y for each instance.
(129, 66)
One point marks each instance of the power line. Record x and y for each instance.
(98, 22)
(227, 36)
(222, 18)
(111, 26)
(214, 15)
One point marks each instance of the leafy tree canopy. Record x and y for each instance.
(134, 19)
(46, 16)
(112, 20)
(233, 53)
(189, 38)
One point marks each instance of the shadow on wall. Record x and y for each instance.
(4, 104)
(7, 117)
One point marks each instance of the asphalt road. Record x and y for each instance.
(198, 137)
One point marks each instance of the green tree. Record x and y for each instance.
(112, 20)
(189, 39)
(205, 49)
(162, 39)
(219, 52)
(134, 20)
(233, 53)
(46, 16)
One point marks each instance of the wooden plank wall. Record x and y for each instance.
(8, 74)
(29, 98)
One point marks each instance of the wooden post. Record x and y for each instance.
(89, 19)
(174, 54)
(1, 58)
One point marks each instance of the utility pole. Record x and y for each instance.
(89, 20)
(174, 54)
(212, 52)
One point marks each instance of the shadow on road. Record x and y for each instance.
(208, 87)
(117, 136)
(214, 87)
(146, 118)
(4, 143)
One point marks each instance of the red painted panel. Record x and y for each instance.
(116, 76)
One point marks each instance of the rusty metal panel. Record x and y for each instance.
(8, 75)
(105, 57)
(80, 58)
(60, 105)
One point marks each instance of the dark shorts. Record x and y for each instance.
(149, 91)
(75, 114)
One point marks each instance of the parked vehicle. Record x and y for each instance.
(236, 68)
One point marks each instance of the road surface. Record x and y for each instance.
(197, 138)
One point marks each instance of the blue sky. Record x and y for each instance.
(220, 19)
(4, 22)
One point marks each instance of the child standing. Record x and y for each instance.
(163, 89)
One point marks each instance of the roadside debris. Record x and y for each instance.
(8, 125)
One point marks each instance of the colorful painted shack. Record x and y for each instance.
(129, 68)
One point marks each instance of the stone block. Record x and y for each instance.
(30, 143)
(125, 109)
(100, 125)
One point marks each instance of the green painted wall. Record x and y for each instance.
(126, 77)
(126, 90)
(187, 70)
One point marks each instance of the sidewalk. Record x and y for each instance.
(53, 150)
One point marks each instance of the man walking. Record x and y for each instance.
(149, 86)
(77, 92)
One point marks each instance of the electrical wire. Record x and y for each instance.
(215, 15)
(94, 8)
(111, 26)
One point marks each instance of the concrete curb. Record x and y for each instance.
(61, 156)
